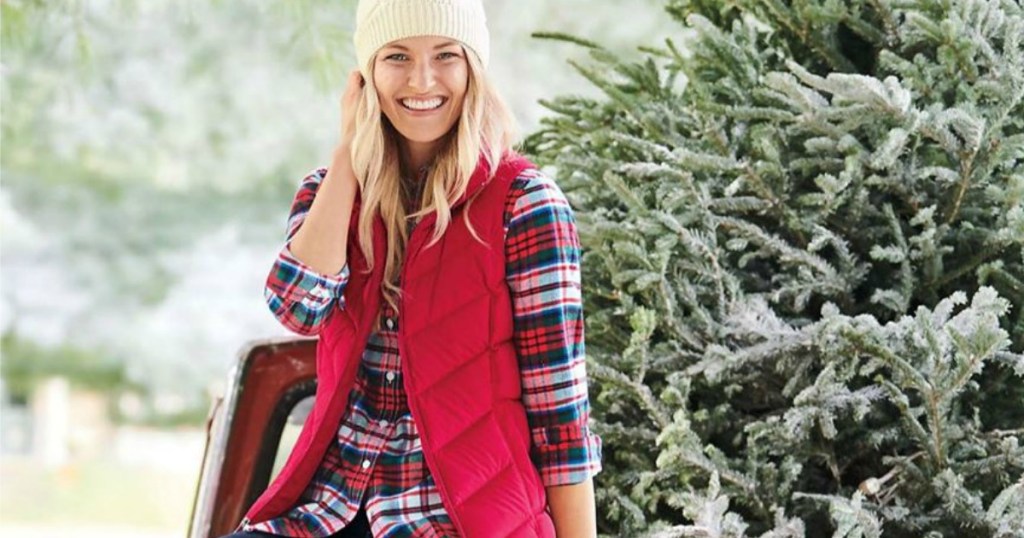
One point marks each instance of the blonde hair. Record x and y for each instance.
(485, 128)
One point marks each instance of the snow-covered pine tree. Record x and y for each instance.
(803, 268)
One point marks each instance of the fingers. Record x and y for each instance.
(349, 104)
(353, 85)
(355, 81)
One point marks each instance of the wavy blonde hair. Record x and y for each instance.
(485, 128)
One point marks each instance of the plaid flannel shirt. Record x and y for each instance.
(377, 460)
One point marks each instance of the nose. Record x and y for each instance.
(421, 78)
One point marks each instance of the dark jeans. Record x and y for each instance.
(359, 528)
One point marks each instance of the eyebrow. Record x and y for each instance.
(441, 46)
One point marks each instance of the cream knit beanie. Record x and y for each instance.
(379, 22)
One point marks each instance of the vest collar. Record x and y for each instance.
(476, 182)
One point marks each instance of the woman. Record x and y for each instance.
(452, 396)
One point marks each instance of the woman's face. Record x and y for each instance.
(421, 83)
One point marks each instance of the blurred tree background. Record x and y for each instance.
(150, 153)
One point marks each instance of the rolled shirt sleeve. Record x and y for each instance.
(543, 273)
(300, 297)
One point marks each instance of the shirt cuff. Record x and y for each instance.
(566, 454)
(311, 286)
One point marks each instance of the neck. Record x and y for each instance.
(416, 155)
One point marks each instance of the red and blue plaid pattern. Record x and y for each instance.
(377, 455)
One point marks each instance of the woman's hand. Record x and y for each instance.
(349, 103)
(321, 241)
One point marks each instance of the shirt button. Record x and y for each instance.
(389, 322)
(366, 464)
(383, 423)
(390, 376)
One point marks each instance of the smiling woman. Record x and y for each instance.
(440, 270)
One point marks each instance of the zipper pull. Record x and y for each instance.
(241, 526)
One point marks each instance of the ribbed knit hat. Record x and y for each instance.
(379, 22)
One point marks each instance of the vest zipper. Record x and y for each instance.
(241, 526)
(414, 407)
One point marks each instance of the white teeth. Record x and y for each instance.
(428, 104)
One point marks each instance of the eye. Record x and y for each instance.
(447, 55)
(398, 57)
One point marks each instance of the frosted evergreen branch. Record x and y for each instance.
(698, 161)
(611, 90)
(737, 205)
(1004, 112)
(719, 360)
(830, 280)
(1014, 361)
(1011, 459)
(902, 403)
(724, 47)
(961, 503)
(992, 249)
(633, 432)
(766, 192)
(852, 520)
(625, 194)
(940, 173)
(643, 322)
(851, 517)
(699, 316)
(657, 152)
(883, 8)
(697, 460)
(652, 171)
(709, 513)
(640, 392)
(885, 95)
(560, 36)
(748, 112)
(1006, 512)
(900, 255)
(936, 421)
(821, 401)
(966, 169)
(709, 253)
(909, 372)
(679, 328)
(798, 96)
(931, 439)
(1003, 433)
(887, 154)
(828, 53)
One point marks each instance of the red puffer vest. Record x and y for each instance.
(459, 366)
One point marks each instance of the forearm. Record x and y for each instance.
(573, 510)
(322, 239)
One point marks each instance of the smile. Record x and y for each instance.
(423, 104)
